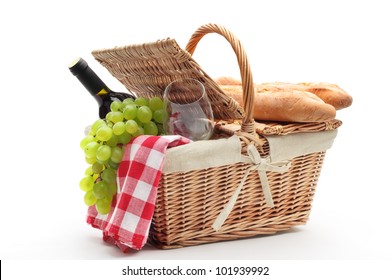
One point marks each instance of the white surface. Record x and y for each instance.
(45, 109)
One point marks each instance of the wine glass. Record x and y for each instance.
(188, 110)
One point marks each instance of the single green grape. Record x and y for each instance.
(97, 167)
(124, 138)
(86, 140)
(119, 128)
(90, 160)
(158, 115)
(100, 189)
(116, 117)
(144, 114)
(130, 111)
(155, 103)
(141, 101)
(90, 149)
(103, 205)
(109, 175)
(131, 126)
(104, 133)
(109, 116)
(86, 183)
(103, 153)
(88, 171)
(116, 154)
(116, 105)
(150, 128)
(89, 198)
(128, 101)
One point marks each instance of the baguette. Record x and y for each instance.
(282, 103)
(330, 93)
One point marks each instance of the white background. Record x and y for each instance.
(45, 109)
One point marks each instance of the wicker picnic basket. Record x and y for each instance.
(189, 202)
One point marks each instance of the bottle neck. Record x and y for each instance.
(88, 78)
(93, 83)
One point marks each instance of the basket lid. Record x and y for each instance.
(146, 69)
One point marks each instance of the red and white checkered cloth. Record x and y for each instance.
(127, 225)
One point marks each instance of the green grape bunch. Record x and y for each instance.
(105, 143)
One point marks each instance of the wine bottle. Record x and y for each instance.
(96, 87)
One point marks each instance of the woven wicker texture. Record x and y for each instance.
(272, 128)
(188, 203)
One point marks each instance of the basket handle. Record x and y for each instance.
(245, 70)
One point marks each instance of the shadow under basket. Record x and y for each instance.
(265, 193)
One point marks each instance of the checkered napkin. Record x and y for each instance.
(127, 224)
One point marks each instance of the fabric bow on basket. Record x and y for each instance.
(127, 225)
(261, 165)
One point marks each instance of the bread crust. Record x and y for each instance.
(330, 93)
(284, 104)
